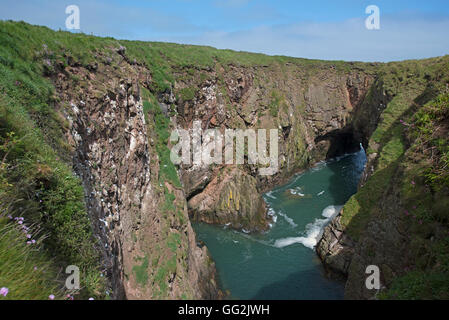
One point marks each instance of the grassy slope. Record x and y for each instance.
(35, 182)
(409, 85)
(424, 190)
(401, 144)
(24, 270)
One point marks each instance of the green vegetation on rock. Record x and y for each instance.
(36, 182)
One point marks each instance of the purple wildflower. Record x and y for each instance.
(51, 297)
(4, 291)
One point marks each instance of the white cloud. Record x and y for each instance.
(398, 39)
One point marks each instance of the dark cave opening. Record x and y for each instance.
(343, 141)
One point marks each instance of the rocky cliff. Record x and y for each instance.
(310, 105)
(397, 220)
(108, 108)
(150, 249)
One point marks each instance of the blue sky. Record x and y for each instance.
(320, 29)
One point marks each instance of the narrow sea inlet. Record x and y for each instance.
(282, 263)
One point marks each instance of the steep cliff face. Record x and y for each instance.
(396, 220)
(149, 248)
(309, 105)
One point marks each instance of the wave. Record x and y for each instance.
(331, 211)
(288, 219)
(281, 243)
(274, 216)
(297, 191)
(313, 230)
(270, 195)
(271, 213)
(318, 166)
(320, 193)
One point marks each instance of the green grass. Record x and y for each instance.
(187, 94)
(430, 131)
(25, 269)
(161, 125)
(169, 205)
(361, 207)
(35, 179)
(174, 241)
(408, 84)
(276, 100)
(141, 272)
(168, 268)
(423, 282)
(424, 195)
(425, 191)
(419, 285)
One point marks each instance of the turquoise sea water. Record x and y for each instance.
(282, 263)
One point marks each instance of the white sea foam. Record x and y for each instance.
(288, 219)
(313, 230)
(297, 191)
(280, 243)
(331, 211)
(270, 195)
(319, 165)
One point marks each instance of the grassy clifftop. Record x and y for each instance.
(35, 181)
(424, 193)
(399, 217)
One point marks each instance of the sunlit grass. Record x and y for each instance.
(24, 269)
